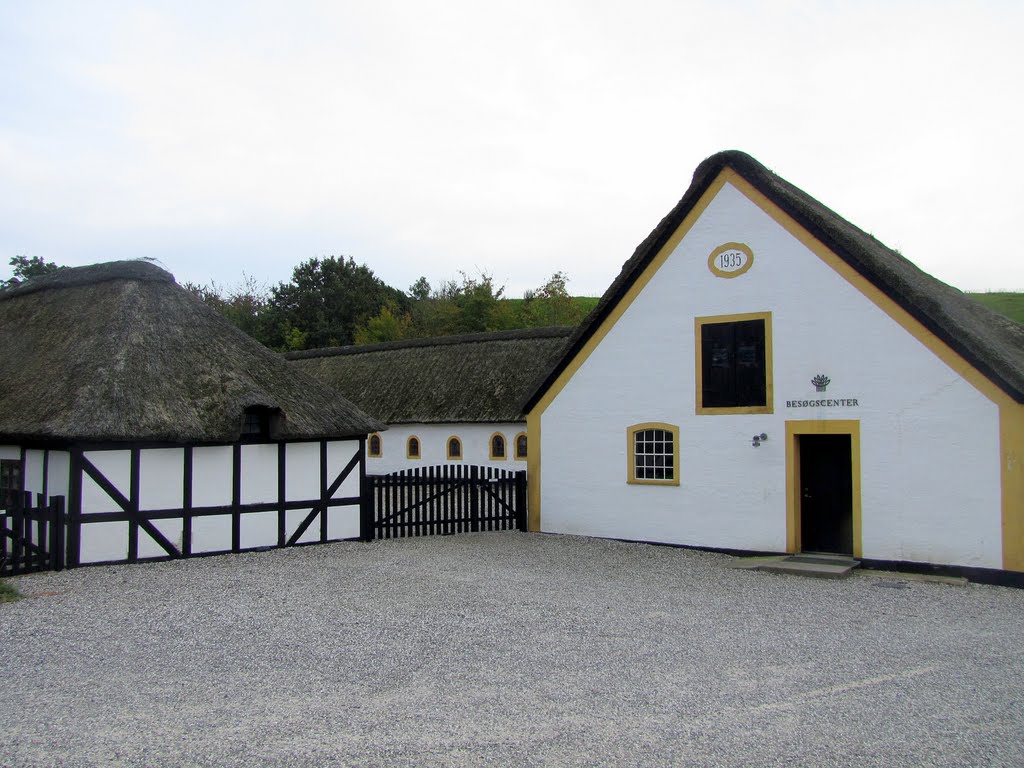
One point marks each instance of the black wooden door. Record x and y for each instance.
(826, 494)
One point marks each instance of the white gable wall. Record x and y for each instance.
(929, 440)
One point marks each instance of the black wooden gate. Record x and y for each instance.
(32, 537)
(447, 499)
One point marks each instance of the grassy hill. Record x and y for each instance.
(1009, 304)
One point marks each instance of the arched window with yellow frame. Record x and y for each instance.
(652, 451)
(412, 447)
(454, 449)
(520, 447)
(498, 451)
(374, 446)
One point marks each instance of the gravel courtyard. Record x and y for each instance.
(509, 650)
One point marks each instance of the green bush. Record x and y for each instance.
(8, 594)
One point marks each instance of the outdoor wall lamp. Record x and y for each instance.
(758, 439)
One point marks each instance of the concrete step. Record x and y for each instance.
(822, 566)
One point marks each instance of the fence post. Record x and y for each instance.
(366, 510)
(57, 533)
(474, 499)
(39, 558)
(21, 523)
(521, 501)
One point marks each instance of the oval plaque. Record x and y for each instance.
(730, 260)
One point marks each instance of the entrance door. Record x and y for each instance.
(826, 494)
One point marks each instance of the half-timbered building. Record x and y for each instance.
(170, 432)
(764, 376)
(448, 400)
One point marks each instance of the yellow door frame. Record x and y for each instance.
(817, 427)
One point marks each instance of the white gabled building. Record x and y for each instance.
(764, 376)
(448, 400)
(169, 431)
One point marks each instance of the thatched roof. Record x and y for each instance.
(480, 377)
(120, 352)
(991, 342)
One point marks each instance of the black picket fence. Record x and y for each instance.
(447, 499)
(33, 537)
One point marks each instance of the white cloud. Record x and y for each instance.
(519, 138)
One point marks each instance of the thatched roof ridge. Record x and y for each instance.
(119, 352)
(550, 332)
(991, 342)
(136, 269)
(470, 378)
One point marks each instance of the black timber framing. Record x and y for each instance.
(186, 503)
(128, 506)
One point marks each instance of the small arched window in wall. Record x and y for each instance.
(497, 447)
(373, 446)
(412, 448)
(521, 446)
(653, 454)
(454, 448)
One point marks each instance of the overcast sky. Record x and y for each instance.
(513, 138)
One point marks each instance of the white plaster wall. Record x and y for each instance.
(211, 533)
(161, 478)
(475, 438)
(302, 471)
(33, 479)
(58, 473)
(259, 473)
(211, 477)
(930, 441)
(10, 452)
(103, 542)
(171, 529)
(116, 467)
(294, 518)
(343, 522)
(339, 454)
(257, 529)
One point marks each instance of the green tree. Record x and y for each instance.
(420, 290)
(390, 324)
(467, 306)
(551, 304)
(327, 299)
(26, 267)
(246, 305)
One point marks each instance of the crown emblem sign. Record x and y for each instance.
(820, 382)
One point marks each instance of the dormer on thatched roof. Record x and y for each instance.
(120, 352)
(991, 342)
(481, 377)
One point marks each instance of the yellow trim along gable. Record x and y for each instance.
(533, 471)
(839, 427)
(533, 418)
(1011, 441)
(1011, 413)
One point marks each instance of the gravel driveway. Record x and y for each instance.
(509, 650)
